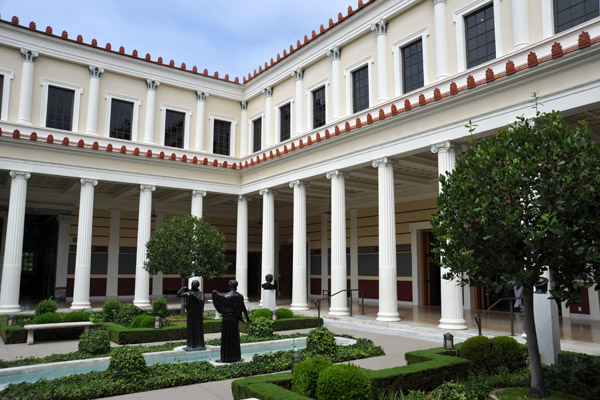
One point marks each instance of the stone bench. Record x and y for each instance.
(36, 327)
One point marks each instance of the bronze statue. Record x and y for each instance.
(231, 306)
(195, 316)
(269, 282)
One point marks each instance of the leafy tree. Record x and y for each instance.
(519, 203)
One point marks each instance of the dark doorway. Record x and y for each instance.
(430, 272)
(38, 271)
(485, 300)
(254, 278)
(285, 271)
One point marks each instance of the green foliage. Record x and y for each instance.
(412, 395)
(320, 341)
(450, 391)
(508, 353)
(261, 327)
(111, 310)
(11, 334)
(46, 306)
(48, 318)
(94, 341)
(159, 308)
(478, 350)
(284, 313)
(76, 316)
(343, 382)
(523, 393)
(305, 375)
(127, 313)
(576, 373)
(127, 363)
(142, 321)
(262, 312)
(189, 246)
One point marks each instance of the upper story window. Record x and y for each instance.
(174, 129)
(221, 137)
(480, 36)
(318, 107)
(121, 117)
(568, 13)
(412, 66)
(256, 134)
(360, 89)
(59, 111)
(285, 122)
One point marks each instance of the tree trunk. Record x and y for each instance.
(184, 282)
(537, 389)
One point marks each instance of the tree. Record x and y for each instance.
(519, 203)
(188, 246)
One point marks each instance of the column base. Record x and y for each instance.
(142, 303)
(338, 313)
(388, 317)
(80, 306)
(10, 309)
(452, 324)
(299, 307)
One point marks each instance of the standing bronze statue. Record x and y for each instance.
(231, 306)
(194, 305)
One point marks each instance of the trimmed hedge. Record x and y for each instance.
(266, 387)
(12, 334)
(18, 334)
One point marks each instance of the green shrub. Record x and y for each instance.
(262, 312)
(49, 318)
(321, 341)
(478, 350)
(76, 316)
(305, 375)
(260, 327)
(159, 308)
(343, 381)
(450, 391)
(127, 313)
(111, 310)
(284, 313)
(127, 362)
(575, 373)
(507, 352)
(94, 341)
(142, 321)
(46, 307)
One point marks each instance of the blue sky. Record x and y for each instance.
(231, 36)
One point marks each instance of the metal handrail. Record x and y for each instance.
(361, 293)
(512, 323)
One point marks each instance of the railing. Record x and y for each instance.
(325, 295)
(512, 322)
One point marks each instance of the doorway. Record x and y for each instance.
(254, 278)
(285, 271)
(430, 271)
(38, 269)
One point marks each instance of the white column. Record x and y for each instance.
(4, 216)
(547, 14)
(13, 247)
(26, 93)
(336, 87)
(451, 292)
(157, 280)
(83, 257)
(520, 24)
(241, 247)
(268, 234)
(200, 119)
(114, 239)
(299, 74)
(388, 292)
(269, 140)
(299, 288)
(324, 252)
(150, 110)
(141, 296)
(92, 111)
(62, 251)
(441, 39)
(354, 252)
(382, 77)
(197, 202)
(244, 148)
(339, 304)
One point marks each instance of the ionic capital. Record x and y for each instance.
(199, 193)
(438, 1)
(268, 91)
(241, 197)
(152, 84)
(201, 96)
(384, 162)
(85, 181)
(380, 27)
(147, 188)
(244, 105)
(95, 72)
(264, 191)
(299, 183)
(29, 55)
(20, 175)
(337, 174)
(442, 147)
(298, 73)
(335, 53)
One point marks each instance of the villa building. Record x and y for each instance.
(320, 166)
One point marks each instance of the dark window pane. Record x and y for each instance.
(1, 91)
(284, 122)
(59, 114)
(256, 140)
(412, 66)
(480, 36)
(569, 13)
(121, 115)
(319, 107)
(360, 89)
(221, 137)
(174, 129)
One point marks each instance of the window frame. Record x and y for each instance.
(232, 133)
(461, 39)
(309, 102)
(553, 30)
(290, 101)
(186, 128)
(348, 76)
(253, 123)
(8, 77)
(78, 90)
(134, 118)
(423, 35)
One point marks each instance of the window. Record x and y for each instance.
(174, 129)
(318, 98)
(221, 137)
(568, 13)
(256, 134)
(412, 66)
(285, 122)
(121, 116)
(59, 113)
(360, 89)
(1, 90)
(27, 262)
(480, 36)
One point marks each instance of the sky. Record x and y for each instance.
(230, 36)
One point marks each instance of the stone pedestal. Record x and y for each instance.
(269, 299)
(545, 311)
